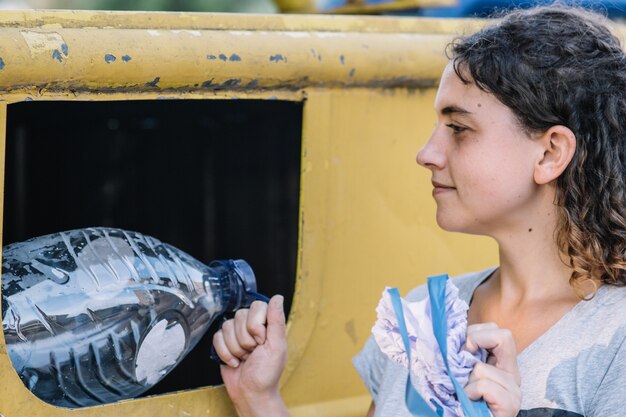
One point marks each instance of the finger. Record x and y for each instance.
(245, 339)
(481, 326)
(257, 317)
(499, 376)
(276, 320)
(500, 344)
(494, 394)
(470, 346)
(230, 338)
(222, 350)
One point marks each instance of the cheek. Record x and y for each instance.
(507, 181)
(478, 172)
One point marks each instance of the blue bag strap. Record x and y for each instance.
(437, 293)
(414, 401)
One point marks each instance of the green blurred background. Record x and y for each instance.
(244, 6)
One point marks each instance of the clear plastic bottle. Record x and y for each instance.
(97, 315)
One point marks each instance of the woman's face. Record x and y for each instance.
(481, 161)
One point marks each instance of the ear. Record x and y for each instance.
(558, 144)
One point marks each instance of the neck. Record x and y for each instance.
(531, 266)
(532, 272)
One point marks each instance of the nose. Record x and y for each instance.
(432, 155)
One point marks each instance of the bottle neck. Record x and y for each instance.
(237, 281)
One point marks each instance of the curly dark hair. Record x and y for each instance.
(559, 65)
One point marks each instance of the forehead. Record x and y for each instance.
(453, 93)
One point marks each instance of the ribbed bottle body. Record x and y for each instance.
(93, 316)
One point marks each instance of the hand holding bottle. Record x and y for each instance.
(97, 315)
(254, 348)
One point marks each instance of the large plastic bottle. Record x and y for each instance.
(93, 316)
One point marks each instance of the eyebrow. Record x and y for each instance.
(454, 110)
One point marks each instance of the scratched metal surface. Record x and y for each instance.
(48, 52)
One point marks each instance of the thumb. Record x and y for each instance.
(275, 319)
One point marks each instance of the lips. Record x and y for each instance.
(439, 188)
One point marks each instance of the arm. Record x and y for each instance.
(254, 347)
(372, 410)
(498, 380)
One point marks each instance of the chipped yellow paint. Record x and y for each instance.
(42, 42)
(137, 60)
(55, 19)
(366, 216)
(47, 95)
(60, 51)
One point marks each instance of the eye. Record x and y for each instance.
(456, 128)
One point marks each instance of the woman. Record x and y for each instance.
(530, 149)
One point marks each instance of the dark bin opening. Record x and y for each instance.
(218, 179)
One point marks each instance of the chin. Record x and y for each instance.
(447, 224)
(457, 224)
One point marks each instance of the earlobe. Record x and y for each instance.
(558, 144)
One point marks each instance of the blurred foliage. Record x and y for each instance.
(246, 6)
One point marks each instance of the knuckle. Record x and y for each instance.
(479, 370)
(472, 391)
(235, 348)
(482, 385)
(248, 345)
(228, 325)
(240, 354)
(241, 314)
(224, 355)
(256, 328)
(470, 344)
(474, 328)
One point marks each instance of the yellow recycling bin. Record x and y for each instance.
(356, 95)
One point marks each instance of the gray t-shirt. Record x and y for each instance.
(577, 368)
